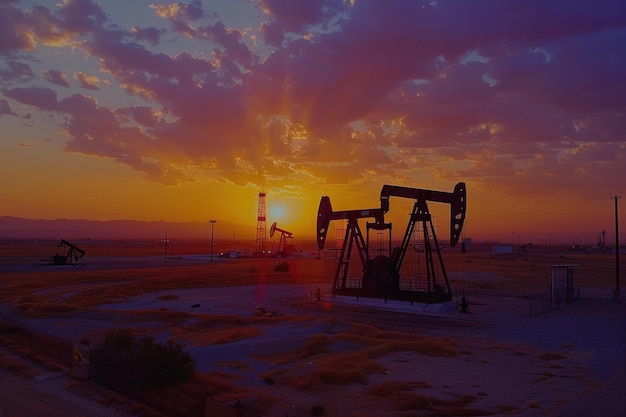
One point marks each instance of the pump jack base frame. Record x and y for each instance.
(410, 296)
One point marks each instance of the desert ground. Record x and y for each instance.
(261, 339)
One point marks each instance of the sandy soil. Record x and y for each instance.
(352, 358)
(38, 391)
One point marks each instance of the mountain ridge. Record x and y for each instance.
(12, 227)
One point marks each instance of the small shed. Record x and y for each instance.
(562, 283)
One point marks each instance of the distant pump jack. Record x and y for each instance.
(67, 254)
(285, 244)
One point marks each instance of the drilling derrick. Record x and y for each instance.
(261, 232)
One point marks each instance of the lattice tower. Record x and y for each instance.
(261, 231)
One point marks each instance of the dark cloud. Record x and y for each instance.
(81, 16)
(146, 116)
(299, 17)
(230, 40)
(56, 77)
(151, 35)
(40, 97)
(5, 108)
(15, 72)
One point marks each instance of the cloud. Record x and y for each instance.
(56, 77)
(230, 40)
(179, 11)
(339, 92)
(97, 131)
(152, 35)
(34, 143)
(5, 108)
(16, 72)
(299, 18)
(89, 82)
(23, 29)
(81, 16)
(40, 97)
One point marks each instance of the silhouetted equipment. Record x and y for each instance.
(381, 274)
(67, 254)
(353, 236)
(525, 247)
(261, 233)
(285, 245)
(464, 304)
(602, 240)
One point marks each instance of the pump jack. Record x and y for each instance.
(352, 237)
(67, 254)
(422, 217)
(381, 275)
(285, 247)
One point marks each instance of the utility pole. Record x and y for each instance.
(212, 230)
(549, 246)
(165, 250)
(615, 198)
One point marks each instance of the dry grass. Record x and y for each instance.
(142, 410)
(38, 358)
(234, 364)
(163, 316)
(15, 365)
(327, 372)
(45, 309)
(84, 288)
(95, 392)
(531, 271)
(168, 297)
(317, 365)
(315, 345)
(211, 329)
(323, 363)
(386, 389)
(459, 406)
(384, 342)
(216, 336)
(552, 356)
(216, 329)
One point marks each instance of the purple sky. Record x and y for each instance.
(161, 106)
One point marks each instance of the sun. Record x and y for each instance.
(276, 213)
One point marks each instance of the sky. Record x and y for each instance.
(186, 111)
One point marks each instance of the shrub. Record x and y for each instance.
(282, 267)
(132, 363)
(317, 410)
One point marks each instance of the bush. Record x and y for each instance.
(282, 267)
(132, 363)
(317, 410)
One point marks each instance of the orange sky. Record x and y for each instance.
(184, 112)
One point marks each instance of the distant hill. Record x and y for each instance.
(20, 228)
